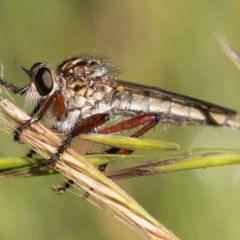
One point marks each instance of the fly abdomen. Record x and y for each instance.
(171, 111)
(232, 121)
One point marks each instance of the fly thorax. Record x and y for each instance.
(98, 72)
(77, 102)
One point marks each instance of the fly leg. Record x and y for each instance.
(43, 106)
(18, 131)
(83, 126)
(148, 120)
(11, 87)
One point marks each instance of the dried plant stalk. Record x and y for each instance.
(106, 193)
(230, 52)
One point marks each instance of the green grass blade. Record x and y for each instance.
(129, 143)
(192, 159)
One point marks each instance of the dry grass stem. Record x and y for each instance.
(87, 177)
(230, 52)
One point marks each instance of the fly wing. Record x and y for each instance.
(174, 97)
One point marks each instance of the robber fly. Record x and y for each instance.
(83, 93)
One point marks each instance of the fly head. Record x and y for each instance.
(41, 78)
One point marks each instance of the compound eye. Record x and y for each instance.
(43, 81)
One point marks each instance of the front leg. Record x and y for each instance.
(44, 105)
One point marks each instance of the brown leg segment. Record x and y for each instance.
(44, 108)
(83, 126)
(145, 119)
(148, 120)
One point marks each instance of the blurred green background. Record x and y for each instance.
(170, 44)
